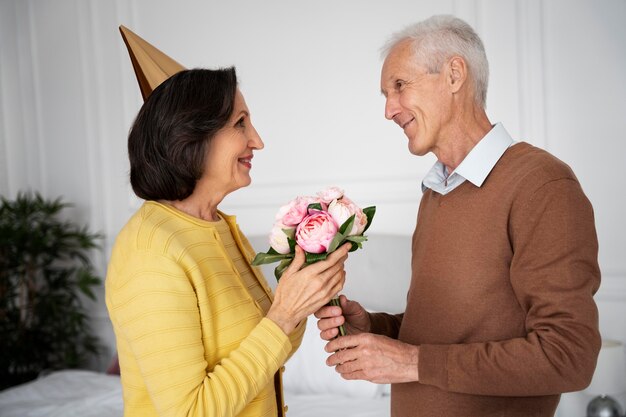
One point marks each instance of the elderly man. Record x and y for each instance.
(500, 316)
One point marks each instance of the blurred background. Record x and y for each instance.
(309, 71)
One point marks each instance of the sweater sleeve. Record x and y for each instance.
(386, 324)
(156, 314)
(295, 338)
(554, 274)
(298, 333)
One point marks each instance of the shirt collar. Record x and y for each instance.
(477, 165)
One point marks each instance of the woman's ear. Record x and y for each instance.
(457, 73)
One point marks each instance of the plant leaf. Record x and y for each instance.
(272, 251)
(346, 227)
(282, 266)
(267, 258)
(291, 233)
(357, 239)
(334, 244)
(314, 206)
(314, 257)
(369, 213)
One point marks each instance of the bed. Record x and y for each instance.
(378, 277)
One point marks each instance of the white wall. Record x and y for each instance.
(309, 72)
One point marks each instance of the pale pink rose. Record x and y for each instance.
(278, 238)
(342, 209)
(330, 194)
(292, 213)
(316, 232)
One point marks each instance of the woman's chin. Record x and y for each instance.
(242, 183)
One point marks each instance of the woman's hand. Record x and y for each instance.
(302, 291)
(351, 314)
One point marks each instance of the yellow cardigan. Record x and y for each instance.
(191, 340)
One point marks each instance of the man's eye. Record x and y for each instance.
(399, 85)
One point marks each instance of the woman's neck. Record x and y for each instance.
(205, 209)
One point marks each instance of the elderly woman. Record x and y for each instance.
(199, 332)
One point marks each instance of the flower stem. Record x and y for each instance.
(335, 302)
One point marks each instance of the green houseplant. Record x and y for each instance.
(44, 269)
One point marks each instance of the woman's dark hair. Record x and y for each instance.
(168, 140)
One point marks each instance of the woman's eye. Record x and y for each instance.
(241, 122)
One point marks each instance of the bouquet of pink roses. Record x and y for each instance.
(319, 225)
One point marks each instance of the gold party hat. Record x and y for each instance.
(151, 66)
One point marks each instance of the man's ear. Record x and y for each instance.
(457, 73)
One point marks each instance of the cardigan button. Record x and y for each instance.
(285, 408)
(282, 369)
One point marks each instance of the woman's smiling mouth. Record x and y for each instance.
(246, 161)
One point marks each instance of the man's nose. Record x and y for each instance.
(392, 107)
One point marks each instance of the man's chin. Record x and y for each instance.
(417, 151)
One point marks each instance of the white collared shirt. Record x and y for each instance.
(475, 166)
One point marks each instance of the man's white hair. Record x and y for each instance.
(439, 38)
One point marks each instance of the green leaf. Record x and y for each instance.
(267, 258)
(311, 258)
(291, 233)
(369, 213)
(282, 266)
(357, 239)
(357, 242)
(292, 245)
(336, 242)
(346, 227)
(272, 251)
(85, 281)
(314, 206)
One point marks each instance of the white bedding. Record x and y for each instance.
(74, 393)
(69, 393)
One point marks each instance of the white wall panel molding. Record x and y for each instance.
(396, 200)
(530, 51)
(4, 169)
(31, 104)
(126, 12)
(365, 191)
(7, 45)
(22, 164)
(94, 126)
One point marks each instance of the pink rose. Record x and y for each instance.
(278, 238)
(330, 194)
(316, 232)
(342, 209)
(292, 213)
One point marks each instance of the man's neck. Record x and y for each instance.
(461, 137)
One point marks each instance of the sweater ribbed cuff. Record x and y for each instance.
(268, 333)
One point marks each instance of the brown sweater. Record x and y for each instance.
(501, 298)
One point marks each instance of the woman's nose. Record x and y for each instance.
(255, 141)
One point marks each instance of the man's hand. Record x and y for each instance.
(351, 314)
(374, 358)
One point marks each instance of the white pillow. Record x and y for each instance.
(306, 371)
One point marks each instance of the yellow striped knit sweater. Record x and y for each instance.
(191, 339)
